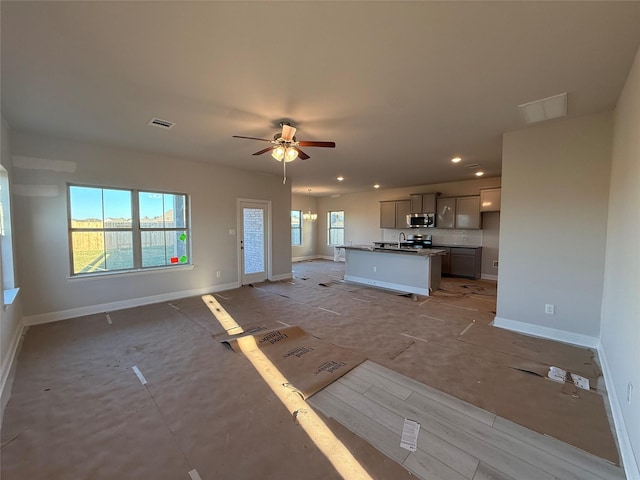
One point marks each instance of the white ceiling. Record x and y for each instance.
(401, 87)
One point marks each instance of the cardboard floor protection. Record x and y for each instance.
(308, 363)
(574, 359)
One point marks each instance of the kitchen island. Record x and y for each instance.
(408, 270)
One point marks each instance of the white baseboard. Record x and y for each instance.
(629, 461)
(305, 258)
(546, 332)
(134, 302)
(486, 276)
(283, 276)
(7, 366)
(330, 257)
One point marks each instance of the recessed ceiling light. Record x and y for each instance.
(376, 186)
(456, 159)
(479, 173)
(340, 179)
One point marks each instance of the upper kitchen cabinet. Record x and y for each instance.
(446, 214)
(458, 212)
(490, 199)
(423, 202)
(468, 212)
(393, 214)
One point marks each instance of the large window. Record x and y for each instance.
(336, 227)
(115, 229)
(296, 227)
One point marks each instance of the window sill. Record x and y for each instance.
(129, 273)
(10, 297)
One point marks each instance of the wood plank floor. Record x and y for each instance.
(457, 440)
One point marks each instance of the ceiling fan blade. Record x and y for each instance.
(302, 155)
(264, 151)
(252, 138)
(317, 144)
(288, 132)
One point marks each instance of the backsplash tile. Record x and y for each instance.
(439, 236)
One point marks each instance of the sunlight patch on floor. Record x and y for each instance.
(321, 435)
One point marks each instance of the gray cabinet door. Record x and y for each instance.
(403, 208)
(446, 214)
(446, 261)
(416, 203)
(387, 214)
(466, 262)
(423, 202)
(462, 265)
(468, 212)
(429, 203)
(490, 200)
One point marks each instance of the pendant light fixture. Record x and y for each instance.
(308, 215)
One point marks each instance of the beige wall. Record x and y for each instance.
(10, 315)
(620, 334)
(362, 216)
(309, 246)
(41, 225)
(555, 187)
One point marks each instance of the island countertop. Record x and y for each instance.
(424, 252)
(402, 269)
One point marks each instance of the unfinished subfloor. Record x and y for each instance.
(194, 409)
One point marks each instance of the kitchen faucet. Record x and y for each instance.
(402, 234)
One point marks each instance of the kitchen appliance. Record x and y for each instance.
(418, 220)
(418, 241)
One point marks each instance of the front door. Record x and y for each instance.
(253, 241)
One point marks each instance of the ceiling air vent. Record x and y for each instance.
(473, 165)
(545, 109)
(157, 122)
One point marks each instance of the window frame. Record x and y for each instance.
(299, 228)
(332, 228)
(135, 229)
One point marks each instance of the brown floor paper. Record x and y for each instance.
(78, 411)
(308, 363)
(574, 359)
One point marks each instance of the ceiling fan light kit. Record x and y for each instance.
(286, 146)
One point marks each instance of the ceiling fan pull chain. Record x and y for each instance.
(284, 172)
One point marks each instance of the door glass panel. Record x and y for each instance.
(253, 239)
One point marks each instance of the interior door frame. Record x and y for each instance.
(240, 237)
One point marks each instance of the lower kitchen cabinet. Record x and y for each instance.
(462, 262)
(446, 261)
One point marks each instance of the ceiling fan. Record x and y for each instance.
(285, 147)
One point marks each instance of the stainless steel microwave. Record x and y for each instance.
(421, 220)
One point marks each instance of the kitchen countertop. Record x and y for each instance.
(421, 252)
(457, 246)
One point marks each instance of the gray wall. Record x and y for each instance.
(620, 333)
(41, 225)
(555, 187)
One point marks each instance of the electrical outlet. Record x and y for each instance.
(629, 392)
(549, 309)
(375, 269)
(495, 264)
(218, 274)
